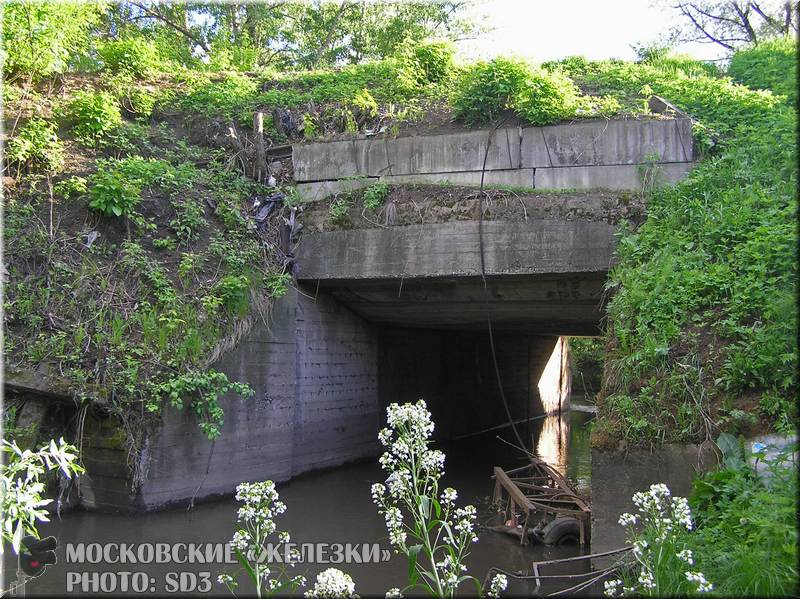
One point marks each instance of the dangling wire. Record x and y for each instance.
(486, 290)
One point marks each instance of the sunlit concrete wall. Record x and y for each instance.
(617, 154)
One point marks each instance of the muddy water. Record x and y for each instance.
(328, 507)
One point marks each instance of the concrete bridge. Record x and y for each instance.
(386, 314)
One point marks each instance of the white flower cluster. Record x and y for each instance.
(611, 587)
(653, 499)
(414, 471)
(646, 579)
(256, 523)
(465, 522)
(681, 512)
(449, 572)
(498, 585)
(660, 510)
(414, 417)
(627, 519)
(332, 583)
(241, 540)
(394, 524)
(703, 586)
(394, 593)
(449, 496)
(686, 555)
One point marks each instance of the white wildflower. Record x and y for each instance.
(332, 583)
(646, 579)
(449, 496)
(611, 587)
(703, 586)
(628, 519)
(498, 585)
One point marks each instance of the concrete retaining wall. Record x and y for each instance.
(314, 373)
(594, 154)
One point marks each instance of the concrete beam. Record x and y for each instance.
(630, 177)
(538, 304)
(512, 178)
(453, 249)
(616, 141)
(512, 153)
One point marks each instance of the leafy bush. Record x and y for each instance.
(61, 32)
(232, 98)
(135, 56)
(36, 143)
(93, 115)
(747, 526)
(338, 209)
(234, 290)
(70, 188)
(189, 220)
(430, 62)
(375, 195)
(490, 88)
(112, 193)
(199, 391)
(769, 65)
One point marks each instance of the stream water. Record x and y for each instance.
(327, 507)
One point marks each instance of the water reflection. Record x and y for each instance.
(336, 507)
(553, 443)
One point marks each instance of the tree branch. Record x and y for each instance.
(692, 18)
(157, 14)
(745, 18)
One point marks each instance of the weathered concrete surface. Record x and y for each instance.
(314, 373)
(453, 249)
(622, 176)
(601, 143)
(592, 154)
(535, 305)
(322, 189)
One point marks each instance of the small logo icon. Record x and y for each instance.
(38, 554)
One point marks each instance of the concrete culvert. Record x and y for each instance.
(562, 531)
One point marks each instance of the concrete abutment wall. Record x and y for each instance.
(322, 377)
(617, 154)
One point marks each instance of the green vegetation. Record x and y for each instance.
(587, 355)
(375, 195)
(490, 88)
(36, 144)
(703, 311)
(770, 65)
(93, 115)
(21, 485)
(747, 522)
(736, 536)
(134, 56)
(120, 313)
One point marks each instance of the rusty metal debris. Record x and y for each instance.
(559, 584)
(537, 499)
